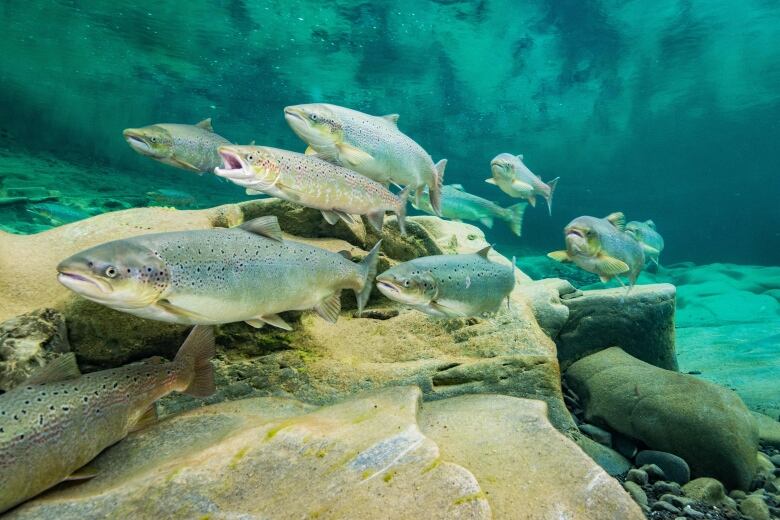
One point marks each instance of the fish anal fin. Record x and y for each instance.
(352, 155)
(62, 368)
(267, 226)
(609, 265)
(559, 256)
(330, 307)
(205, 125)
(148, 418)
(617, 219)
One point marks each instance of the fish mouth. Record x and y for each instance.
(233, 166)
(80, 283)
(292, 114)
(137, 143)
(575, 233)
(386, 286)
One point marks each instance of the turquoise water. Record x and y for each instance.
(667, 111)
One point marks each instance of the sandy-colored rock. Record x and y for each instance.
(641, 323)
(273, 458)
(768, 430)
(28, 342)
(705, 424)
(526, 468)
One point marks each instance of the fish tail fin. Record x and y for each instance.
(552, 184)
(368, 271)
(434, 191)
(401, 211)
(514, 217)
(197, 351)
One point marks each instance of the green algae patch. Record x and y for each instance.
(470, 498)
(240, 454)
(433, 465)
(389, 476)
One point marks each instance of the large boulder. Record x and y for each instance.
(377, 455)
(705, 424)
(640, 322)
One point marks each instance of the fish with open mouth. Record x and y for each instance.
(189, 147)
(514, 178)
(449, 286)
(370, 145)
(602, 247)
(213, 276)
(58, 420)
(310, 181)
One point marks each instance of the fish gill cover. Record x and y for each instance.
(666, 110)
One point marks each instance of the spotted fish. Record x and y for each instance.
(189, 147)
(370, 145)
(58, 420)
(219, 275)
(514, 178)
(651, 240)
(449, 286)
(312, 182)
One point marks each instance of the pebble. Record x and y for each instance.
(665, 506)
(662, 487)
(692, 513)
(654, 472)
(597, 434)
(637, 475)
(636, 492)
(755, 507)
(775, 459)
(677, 501)
(737, 494)
(674, 467)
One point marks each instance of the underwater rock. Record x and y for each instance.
(641, 323)
(707, 425)
(498, 438)
(768, 430)
(708, 490)
(545, 297)
(610, 460)
(754, 507)
(28, 342)
(674, 467)
(377, 455)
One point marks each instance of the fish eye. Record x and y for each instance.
(406, 283)
(250, 157)
(314, 117)
(154, 139)
(111, 271)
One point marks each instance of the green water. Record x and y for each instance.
(667, 110)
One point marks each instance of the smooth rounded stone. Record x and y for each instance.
(636, 492)
(707, 490)
(28, 342)
(611, 461)
(624, 445)
(665, 506)
(653, 472)
(545, 298)
(638, 476)
(737, 494)
(641, 323)
(664, 487)
(775, 459)
(674, 467)
(597, 434)
(526, 469)
(712, 429)
(363, 458)
(765, 466)
(692, 513)
(755, 507)
(677, 501)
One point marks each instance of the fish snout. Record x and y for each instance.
(233, 164)
(137, 142)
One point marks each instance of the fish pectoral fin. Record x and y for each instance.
(444, 310)
(487, 222)
(353, 156)
(184, 164)
(330, 216)
(559, 256)
(63, 368)
(167, 306)
(377, 220)
(491, 181)
(330, 307)
(148, 418)
(271, 319)
(609, 265)
(293, 194)
(83, 473)
(267, 226)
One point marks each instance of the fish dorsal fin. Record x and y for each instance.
(205, 125)
(618, 220)
(391, 118)
(264, 226)
(650, 223)
(484, 252)
(61, 369)
(520, 156)
(458, 187)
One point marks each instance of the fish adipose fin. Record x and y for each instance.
(552, 184)
(199, 349)
(148, 418)
(514, 217)
(367, 269)
(391, 118)
(434, 190)
(609, 265)
(330, 307)
(264, 226)
(353, 156)
(618, 220)
(559, 256)
(63, 368)
(205, 125)
(491, 181)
